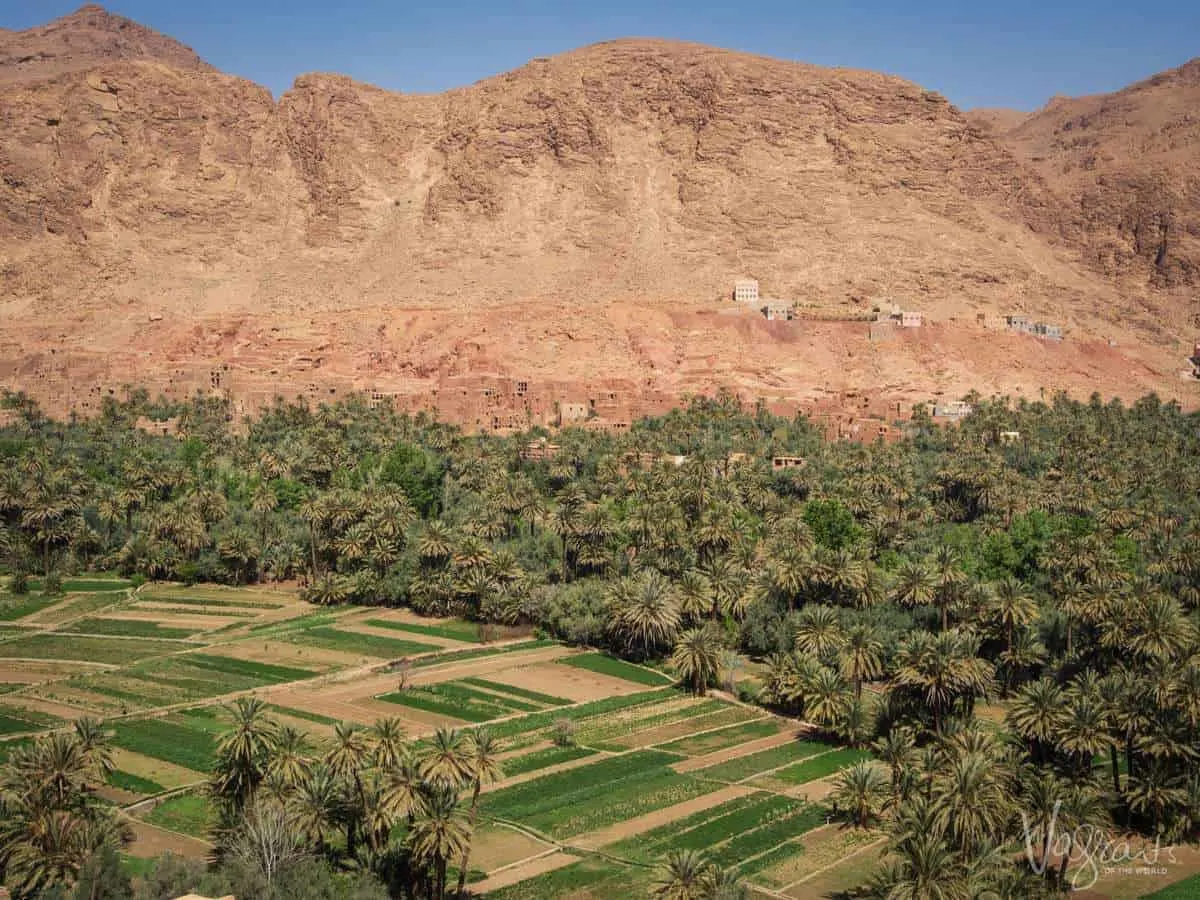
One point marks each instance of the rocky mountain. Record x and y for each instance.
(570, 219)
(1129, 164)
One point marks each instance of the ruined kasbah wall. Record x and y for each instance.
(65, 382)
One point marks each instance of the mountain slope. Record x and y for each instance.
(87, 37)
(1130, 163)
(580, 217)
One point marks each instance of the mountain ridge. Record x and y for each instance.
(611, 193)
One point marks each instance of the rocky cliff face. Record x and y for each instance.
(138, 183)
(1129, 164)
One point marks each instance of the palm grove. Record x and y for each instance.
(887, 592)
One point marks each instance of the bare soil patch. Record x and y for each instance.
(159, 771)
(529, 869)
(497, 845)
(150, 842)
(172, 620)
(496, 667)
(282, 653)
(720, 756)
(358, 626)
(35, 671)
(621, 830)
(576, 685)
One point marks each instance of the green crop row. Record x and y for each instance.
(186, 814)
(458, 701)
(819, 767)
(770, 835)
(84, 585)
(134, 784)
(612, 729)
(755, 763)
(551, 791)
(468, 632)
(514, 691)
(703, 744)
(127, 628)
(743, 821)
(543, 759)
(603, 664)
(761, 863)
(590, 874)
(620, 803)
(528, 726)
(175, 740)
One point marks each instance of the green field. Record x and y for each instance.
(811, 769)
(113, 651)
(134, 784)
(328, 638)
(453, 656)
(544, 759)
(127, 628)
(1188, 889)
(603, 664)
(189, 814)
(713, 741)
(593, 796)
(182, 740)
(462, 700)
(743, 767)
(18, 606)
(85, 585)
(468, 632)
(184, 678)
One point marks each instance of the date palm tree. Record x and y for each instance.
(861, 657)
(861, 790)
(440, 832)
(243, 752)
(683, 875)
(819, 631)
(484, 768)
(696, 658)
(447, 758)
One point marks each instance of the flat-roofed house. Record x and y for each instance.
(745, 290)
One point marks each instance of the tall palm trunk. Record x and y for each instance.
(1113, 758)
(466, 857)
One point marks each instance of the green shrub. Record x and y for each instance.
(563, 733)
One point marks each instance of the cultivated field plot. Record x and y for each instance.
(642, 768)
(474, 699)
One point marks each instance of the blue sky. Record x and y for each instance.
(1016, 53)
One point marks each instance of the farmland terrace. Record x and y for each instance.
(650, 769)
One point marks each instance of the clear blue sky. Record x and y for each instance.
(1016, 53)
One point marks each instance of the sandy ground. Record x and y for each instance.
(167, 774)
(150, 842)
(36, 671)
(492, 667)
(497, 845)
(46, 706)
(852, 870)
(315, 659)
(576, 685)
(711, 759)
(172, 620)
(543, 864)
(595, 839)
